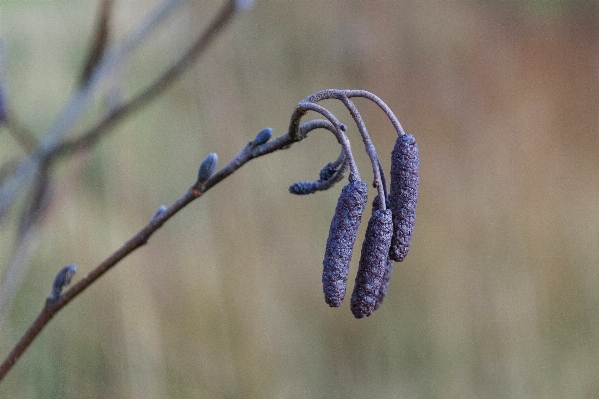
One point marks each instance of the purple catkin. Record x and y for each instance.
(376, 205)
(373, 262)
(327, 172)
(403, 195)
(303, 187)
(340, 243)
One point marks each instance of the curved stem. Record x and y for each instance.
(370, 150)
(339, 94)
(308, 106)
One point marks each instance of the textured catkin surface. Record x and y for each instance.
(302, 188)
(403, 194)
(342, 236)
(373, 262)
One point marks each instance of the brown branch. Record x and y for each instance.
(296, 133)
(141, 238)
(99, 41)
(162, 83)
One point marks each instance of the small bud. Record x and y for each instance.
(262, 137)
(62, 279)
(403, 195)
(373, 261)
(342, 235)
(207, 167)
(159, 211)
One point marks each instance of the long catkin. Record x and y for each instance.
(403, 195)
(342, 235)
(373, 262)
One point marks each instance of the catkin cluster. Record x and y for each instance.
(388, 235)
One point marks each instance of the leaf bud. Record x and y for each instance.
(207, 167)
(62, 279)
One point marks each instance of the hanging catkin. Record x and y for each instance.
(373, 261)
(342, 235)
(403, 194)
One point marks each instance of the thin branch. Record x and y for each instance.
(370, 150)
(141, 238)
(296, 133)
(113, 58)
(99, 41)
(162, 83)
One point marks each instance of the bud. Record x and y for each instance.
(262, 137)
(159, 211)
(342, 235)
(62, 279)
(207, 167)
(403, 194)
(373, 261)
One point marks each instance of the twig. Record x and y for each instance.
(53, 307)
(99, 41)
(113, 58)
(163, 82)
(296, 133)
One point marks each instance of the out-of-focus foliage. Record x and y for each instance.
(499, 295)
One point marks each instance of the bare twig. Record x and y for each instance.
(162, 83)
(102, 63)
(141, 238)
(113, 59)
(296, 133)
(99, 41)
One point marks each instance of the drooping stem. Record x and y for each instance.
(308, 106)
(370, 150)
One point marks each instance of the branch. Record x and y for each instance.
(56, 301)
(141, 238)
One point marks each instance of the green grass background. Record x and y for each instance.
(499, 296)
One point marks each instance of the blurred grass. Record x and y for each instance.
(498, 298)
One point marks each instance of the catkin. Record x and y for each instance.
(303, 188)
(373, 261)
(327, 172)
(403, 195)
(342, 235)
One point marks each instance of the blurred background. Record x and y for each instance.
(499, 296)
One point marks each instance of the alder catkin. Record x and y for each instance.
(303, 188)
(327, 172)
(403, 195)
(342, 235)
(373, 261)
